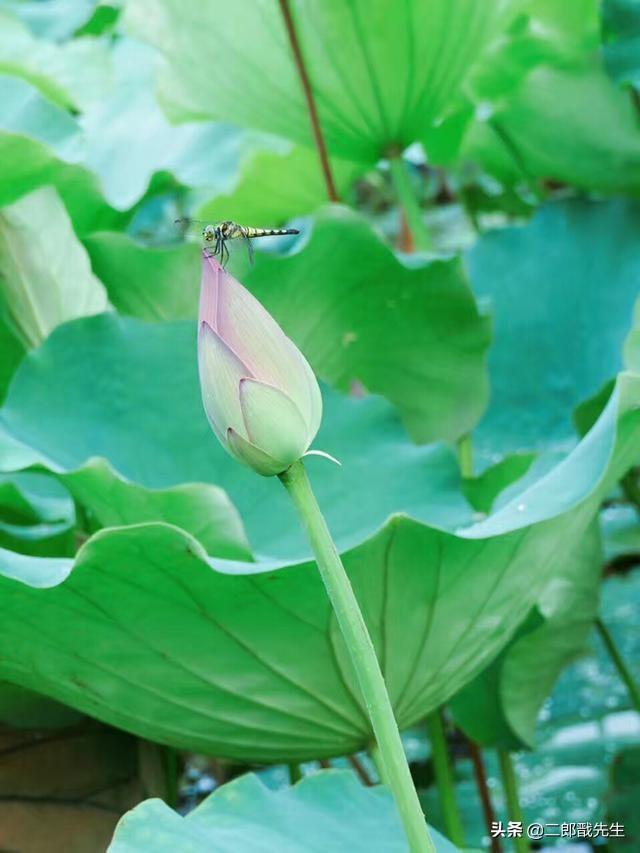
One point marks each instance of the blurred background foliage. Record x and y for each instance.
(465, 289)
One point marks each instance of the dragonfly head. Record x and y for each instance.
(209, 233)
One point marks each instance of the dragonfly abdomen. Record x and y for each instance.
(268, 232)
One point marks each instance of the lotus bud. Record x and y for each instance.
(260, 395)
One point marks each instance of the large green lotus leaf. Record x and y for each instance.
(562, 290)
(128, 391)
(547, 34)
(578, 21)
(245, 660)
(20, 708)
(330, 810)
(25, 110)
(34, 507)
(201, 509)
(589, 410)
(251, 176)
(37, 515)
(28, 164)
(103, 21)
(125, 139)
(149, 283)
(72, 74)
(40, 143)
(382, 72)
(126, 136)
(45, 274)
(569, 124)
(483, 490)
(412, 333)
(43, 540)
(276, 185)
(500, 707)
(29, 498)
(56, 20)
(621, 40)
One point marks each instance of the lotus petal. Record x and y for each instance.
(220, 373)
(273, 421)
(252, 456)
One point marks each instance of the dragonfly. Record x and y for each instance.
(216, 235)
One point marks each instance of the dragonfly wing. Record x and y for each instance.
(193, 227)
(249, 249)
(244, 233)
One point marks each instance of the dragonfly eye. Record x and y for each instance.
(209, 233)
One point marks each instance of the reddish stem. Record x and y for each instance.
(311, 104)
(360, 769)
(405, 237)
(483, 790)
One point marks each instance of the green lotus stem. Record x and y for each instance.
(510, 787)
(407, 198)
(295, 773)
(171, 775)
(465, 455)
(363, 657)
(618, 662)
(444, 778)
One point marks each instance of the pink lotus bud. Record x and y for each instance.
(259, 393)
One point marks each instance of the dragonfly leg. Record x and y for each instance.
(248, 244)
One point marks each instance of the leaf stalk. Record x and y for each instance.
(482, 784)
(314, 118)
(465, 455)
(407, 198)
(510, 787)
(363, 657)
(618, 661)
(444, 778)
